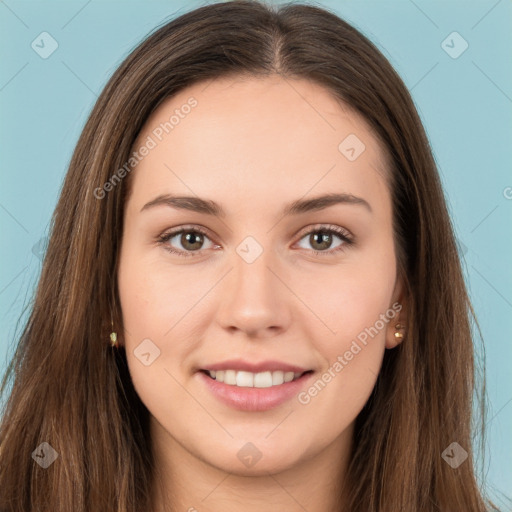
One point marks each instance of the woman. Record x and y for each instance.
(190, 346)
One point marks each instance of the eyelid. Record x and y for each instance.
(325, 227)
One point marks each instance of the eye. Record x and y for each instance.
(321, 237)
(190, 239)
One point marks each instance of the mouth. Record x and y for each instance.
(266, 387)
(245, 379)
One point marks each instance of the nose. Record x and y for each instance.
(256, 299)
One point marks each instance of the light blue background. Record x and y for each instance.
(465, 104)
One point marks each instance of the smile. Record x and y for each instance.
(255, 391)
(246, 379)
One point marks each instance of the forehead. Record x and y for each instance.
(251, 138)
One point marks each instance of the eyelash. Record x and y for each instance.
(343, 234)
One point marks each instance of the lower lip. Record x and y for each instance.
(254, 399)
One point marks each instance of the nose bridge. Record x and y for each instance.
(254, 294)
(252, 276)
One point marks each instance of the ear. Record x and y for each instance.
(395, 331)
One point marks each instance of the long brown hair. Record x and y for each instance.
(73, 391)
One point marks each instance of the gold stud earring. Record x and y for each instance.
(113, 336)
(398, 334)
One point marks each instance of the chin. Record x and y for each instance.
(253, 458)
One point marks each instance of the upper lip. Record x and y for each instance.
(263, 366)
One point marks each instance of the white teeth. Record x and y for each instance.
(263, 380)
(230, 377)
(277, 378)
(288, 376)
(243, 379)
(257, 380)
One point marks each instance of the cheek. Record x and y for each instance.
(145, 306)
(151, 296)
(357, 309)
(350, 301)
(157, 305)
(351, 357)
(138, 298)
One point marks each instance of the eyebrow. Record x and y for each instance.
(209, 207)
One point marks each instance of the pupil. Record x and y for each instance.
(325, 238)
(192, 238)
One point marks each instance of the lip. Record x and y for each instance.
(263, 366)
(254, 399)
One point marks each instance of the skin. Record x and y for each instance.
(253, 145)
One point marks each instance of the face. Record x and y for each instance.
(250, 280)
